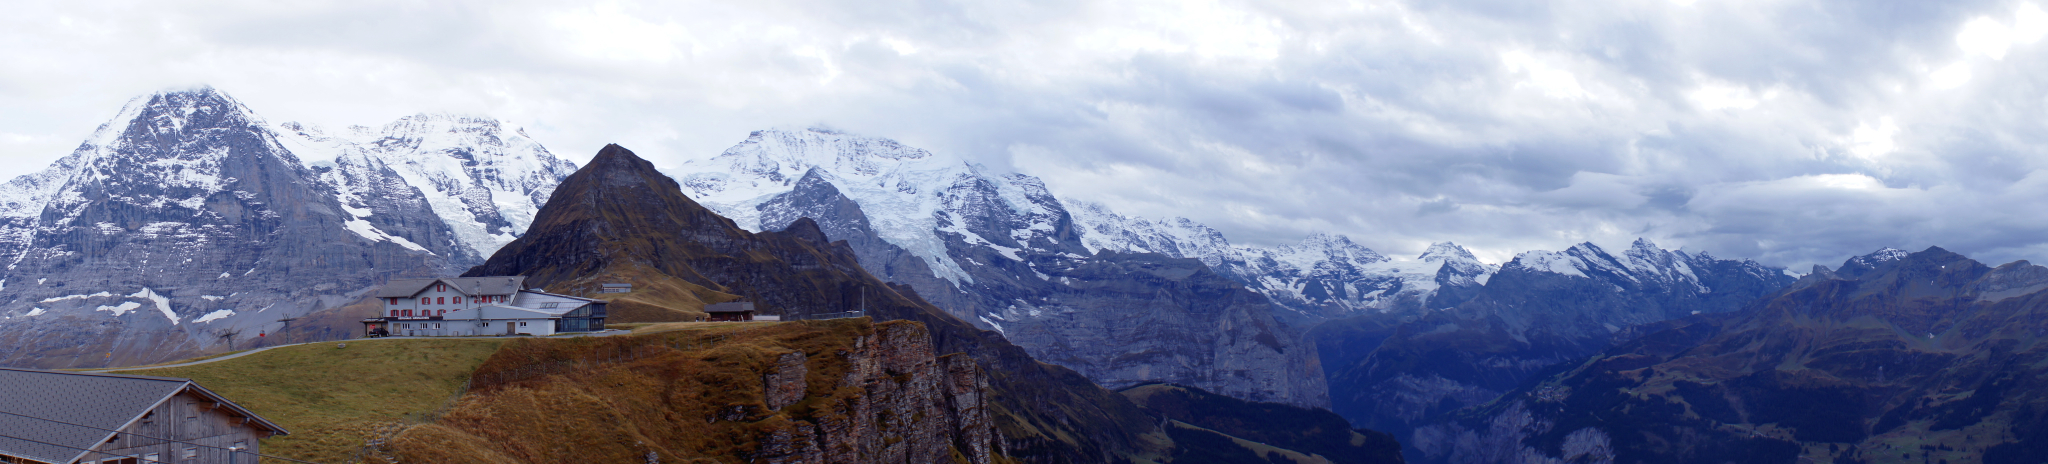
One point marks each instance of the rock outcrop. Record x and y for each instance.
(916, 407)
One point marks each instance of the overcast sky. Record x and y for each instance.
(1791, 132)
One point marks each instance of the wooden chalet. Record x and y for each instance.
(57, 417)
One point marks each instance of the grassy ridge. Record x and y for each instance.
(677, 393)
(333, 398)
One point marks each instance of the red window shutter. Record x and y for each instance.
(458, 300)
(441, 300)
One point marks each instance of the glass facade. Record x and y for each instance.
(589, 318)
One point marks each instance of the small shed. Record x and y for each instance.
(78, 417)
(730, 311)
(617, 288)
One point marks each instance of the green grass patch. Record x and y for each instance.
(334, 399)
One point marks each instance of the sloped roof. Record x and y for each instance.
(558, 295)
(41, 407)
(493, 285)
(491, 312)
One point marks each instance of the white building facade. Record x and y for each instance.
(479, 306)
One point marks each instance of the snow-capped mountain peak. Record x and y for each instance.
(914, 199)
(1322, 247)
(1880, 256)
(484, 179)
(1642, 264)
(1446, 251)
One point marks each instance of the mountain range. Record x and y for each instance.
(188, 222)
(618, 219)
(1542, 310)
(1893, 357)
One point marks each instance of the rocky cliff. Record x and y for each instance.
(843, 391)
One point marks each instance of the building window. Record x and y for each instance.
(405, 313)
(441, 300)
(440, 287)
(190, 453)
(458, 300)
(443, 312)
(522, 323)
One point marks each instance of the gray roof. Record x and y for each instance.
(96, 403)
(515, 312)
(729, 307)
(494, 285)
(558, 295)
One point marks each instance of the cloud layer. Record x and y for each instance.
(1793, 132)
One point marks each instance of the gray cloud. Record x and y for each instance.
(1789, 131)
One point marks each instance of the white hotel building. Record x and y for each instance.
(479, 306)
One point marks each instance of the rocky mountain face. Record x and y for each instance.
(188, 215)
(1540, 310)
(618, 219)
(1325, 277)
(482, 179)
(1895, 357)
(1001, 251)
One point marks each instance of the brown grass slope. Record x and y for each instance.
(619, 218)
(334, 398)
(690, 395)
